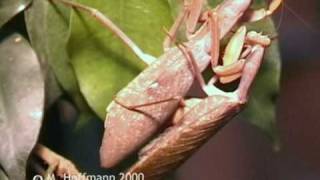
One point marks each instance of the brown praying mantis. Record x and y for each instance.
(148, 102)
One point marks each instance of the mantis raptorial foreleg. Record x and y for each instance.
(249, 72)
(106, 22)
(191, 15)
(232, 67)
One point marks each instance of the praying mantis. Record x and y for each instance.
(148, 102)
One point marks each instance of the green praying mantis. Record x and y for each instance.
(157, 95)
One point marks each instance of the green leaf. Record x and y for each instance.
(3, 176)
(53, 89)
(102, 63)
(21, 104)
(10, 8)
(48, 29)
(176, 7)
(261, 110)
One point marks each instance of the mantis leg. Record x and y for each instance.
(134, 107)
(211, 18)
(232, 67)
(215, 38)
(247, 74)
(106, 22)
(137, 109)
(246, 68)
(195, 8)
(196, 71)
(256, 15)
(250, 70)
(208, 89)
(62, 166)
(190, 14)
(171, 37)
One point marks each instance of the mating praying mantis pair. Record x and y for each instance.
(157, 95)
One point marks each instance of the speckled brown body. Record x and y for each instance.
(179, 142)
(171, 76)
(201, 119)
(127, 130)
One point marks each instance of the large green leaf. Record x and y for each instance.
(48, 29)
(9, 8)
(21, 104)
(102, 63)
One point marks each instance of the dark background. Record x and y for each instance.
(240, 151)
